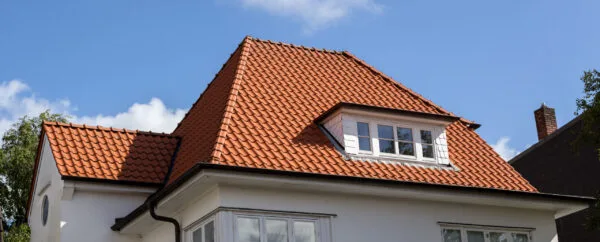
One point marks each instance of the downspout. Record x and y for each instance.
(165, 219)
(151, 203)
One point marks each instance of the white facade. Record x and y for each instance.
(79, 211)
(358, 214)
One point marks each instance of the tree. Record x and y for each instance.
(589, 108)
(18, 233)
(17, 158)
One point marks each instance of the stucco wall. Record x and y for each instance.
(48, 183)
(363, 218)
(89, 215)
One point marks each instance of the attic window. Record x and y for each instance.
(390, 135)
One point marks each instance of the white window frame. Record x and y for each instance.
(370, 152)
(486, 230)
(416, 132)
(189, 232)
(290, 219)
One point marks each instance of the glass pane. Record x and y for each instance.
(451, 235)
(475, 236)
(406, 148)
(304, 232)
(428, 151)
(363, 129)
(405, 134)
(385, 132)
(197, 235)
(209, 232)
(276, 230)
(387, 146)
(248, 230)
(364, 143)
(498, 237)
(426, 137)
(520, 238)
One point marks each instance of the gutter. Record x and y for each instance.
(121, 223)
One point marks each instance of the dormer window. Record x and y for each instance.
(373, 133)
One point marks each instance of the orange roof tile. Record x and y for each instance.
(258, 112)
(110, 154)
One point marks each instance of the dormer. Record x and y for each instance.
(384, 134)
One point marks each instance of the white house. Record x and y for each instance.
(289, 144)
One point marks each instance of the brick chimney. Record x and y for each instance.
(545, 121)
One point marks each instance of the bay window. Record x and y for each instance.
(484, 234)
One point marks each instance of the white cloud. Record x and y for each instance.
(17, 100)
(154, 116)
(314, 14)
(505, 151)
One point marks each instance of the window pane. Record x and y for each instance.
(209, 232)
(427, 151)
(363, 129)
(276, 230)
(364, 143)
(426, 137)
(404, 134)
(498, 237)
(385, 132)
(451, 235)
(387, 146)
(406, 148)
(475, 236)
(304, 232)
(248, 230)
(197, 235)
(520, 238)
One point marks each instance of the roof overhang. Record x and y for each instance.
(355, 108)
(203, 176)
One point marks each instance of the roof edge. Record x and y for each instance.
(122, 222)
(103, 128)
(340, 105)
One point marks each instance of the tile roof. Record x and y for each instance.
(110, 154)
(258, 112)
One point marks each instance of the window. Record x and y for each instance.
(259, 228)
(204, 232)
(427, 143)
(386, 139)
(45, 208)
(400, 140)
(482, 234)
(364, 137)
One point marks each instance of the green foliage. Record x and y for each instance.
(19, 233)
(589, 107)
(17, 158)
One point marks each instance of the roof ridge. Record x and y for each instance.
(397, 84)
(231, 102)
(103, 128)
(302, 47)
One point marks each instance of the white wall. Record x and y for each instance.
(362, 218)
(48, 183)
(89, 215)
(365, 218)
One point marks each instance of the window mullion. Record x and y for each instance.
(417, 144)
(396, 146)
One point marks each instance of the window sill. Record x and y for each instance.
(400, 160)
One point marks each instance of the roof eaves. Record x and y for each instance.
(341, 105)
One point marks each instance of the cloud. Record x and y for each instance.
(17, 100)
(154, 116)
(503, 148)
(314, 14)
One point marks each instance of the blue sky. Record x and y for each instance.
(141, 64)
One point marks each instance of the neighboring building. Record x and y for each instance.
(557, 164)
(289, 144)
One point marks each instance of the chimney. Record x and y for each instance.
(545, 121)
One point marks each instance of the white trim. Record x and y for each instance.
(486, 230)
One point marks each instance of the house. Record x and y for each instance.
(555, 165)
(294, 144)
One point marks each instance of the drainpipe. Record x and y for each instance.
(157, 217)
